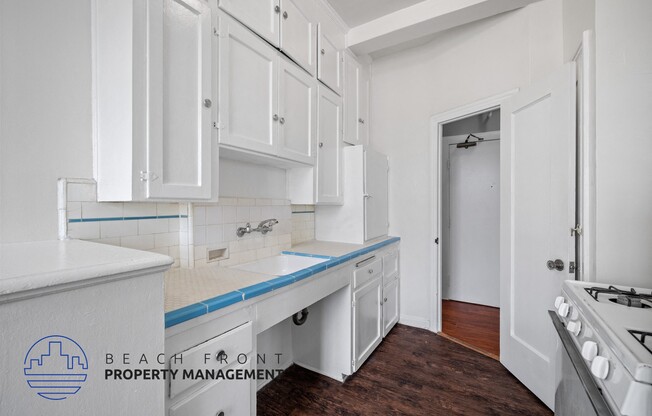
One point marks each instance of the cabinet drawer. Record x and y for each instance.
(232, 397)
(390, 265)
(204, 356)
(366, 270)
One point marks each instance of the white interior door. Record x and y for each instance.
(537, 212)
(180, 113)
(248, 89)
(376, 194)
(471, 267)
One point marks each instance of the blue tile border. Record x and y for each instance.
(189, 312)
(149, 217)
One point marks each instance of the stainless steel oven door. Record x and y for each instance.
(577, 393)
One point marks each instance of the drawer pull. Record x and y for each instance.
(220, 356)
(360, 263)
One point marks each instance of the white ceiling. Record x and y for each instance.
(357, 12)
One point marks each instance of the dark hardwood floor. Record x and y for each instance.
(476, 326)
(413, 372)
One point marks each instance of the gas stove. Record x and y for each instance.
(612, 327)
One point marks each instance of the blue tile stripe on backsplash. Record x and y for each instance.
(189, 312)
(149, 217)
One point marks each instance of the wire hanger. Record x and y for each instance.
(467, 143)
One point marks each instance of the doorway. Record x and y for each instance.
(470, 213)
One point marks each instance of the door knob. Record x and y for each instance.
(555, 265)
(281, 120)
(321, 144)
(277, 9)
(285, 15)
(275, 117)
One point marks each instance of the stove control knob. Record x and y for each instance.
(563, 310)
(589, 350)
(600, 367)
(558, 301)
(574, 327)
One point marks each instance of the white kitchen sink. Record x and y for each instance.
(280, 265)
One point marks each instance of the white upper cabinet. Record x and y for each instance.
(329, 63)
(180, 110)
(248, 89)
(298, 35)
(153, 102)
(329, 152)
(297, 113)
(260, 16)
(356, 101)
(283, 23)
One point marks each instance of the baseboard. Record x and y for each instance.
(323, 373)
(415, 321)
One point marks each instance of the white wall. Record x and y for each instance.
(579, 15)
(460, 66)
(45, 108)
(624, 141)
(248, 180)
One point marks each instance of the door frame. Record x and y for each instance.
(436, 148)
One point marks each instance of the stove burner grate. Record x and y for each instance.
(629, 297)
(641, 338)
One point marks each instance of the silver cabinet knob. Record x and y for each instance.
(361, 121)
(285, 15)
(208, 103)
(220, 414)
(275, 117)
(277, 9)
(371, 271)
(385, 300)
(323, 51)
(321, 144)
(281, 120)
(555, 265)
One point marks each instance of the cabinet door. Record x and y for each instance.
(248, 89)
(260, 16)
(298, 35)
(351, 100)
(367, 321)
(390, 306)
(329, 63)
(329, 152)
(297, 113)
(232, 397)
(363, 105)
(180, 100)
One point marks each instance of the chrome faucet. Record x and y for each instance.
(264, 227)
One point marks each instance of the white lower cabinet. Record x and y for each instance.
(390, 305)
(367, 321)
(219, 398)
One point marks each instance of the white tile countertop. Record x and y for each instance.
(42, 265)
(190, 293)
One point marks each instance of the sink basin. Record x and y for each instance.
(279, 265)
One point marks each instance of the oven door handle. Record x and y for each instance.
(588, 382)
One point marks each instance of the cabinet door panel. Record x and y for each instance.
(298, 112)
(260, 16)
(367, 321)
(298, 35)
(329, 152)
(179, 152)
(248, 89)
(390, 306)
(363, 105)
(351, 100)
(329, 63)
(233, 397)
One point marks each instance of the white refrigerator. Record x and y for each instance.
(363, 216)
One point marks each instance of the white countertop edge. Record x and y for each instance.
(100, 263)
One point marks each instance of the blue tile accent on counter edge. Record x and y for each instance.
(189, 312)
(317, 256)
(149, 217)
